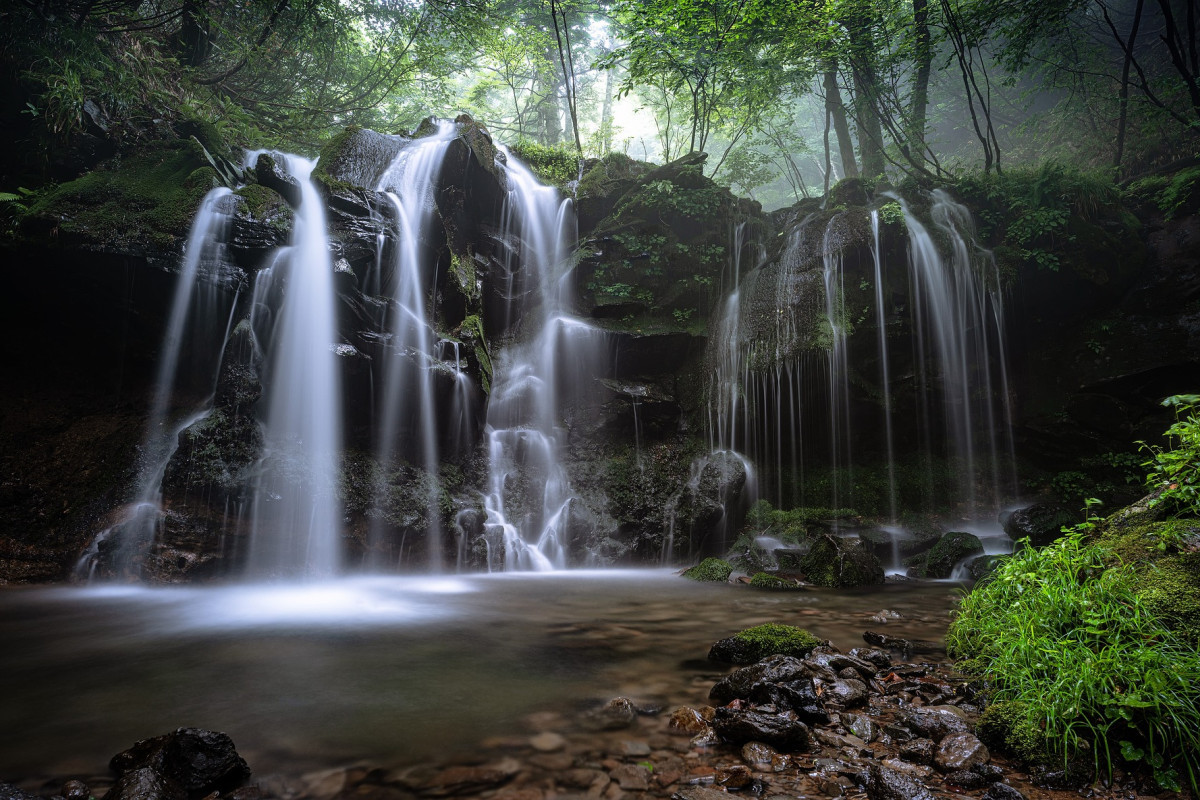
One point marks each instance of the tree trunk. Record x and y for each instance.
(866, 114)
(606, 122)
(1123, 120)
(837, 113)
(919, 102)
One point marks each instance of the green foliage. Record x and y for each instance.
(710, 570)
(1011, 726)
(1064, 632)
(775, 639)
(1174, 471)
(891, 213)
(556, 165)
(1027, 210)
(1180, 193)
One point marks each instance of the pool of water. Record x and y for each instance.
(394, 670)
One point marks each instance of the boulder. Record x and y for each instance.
(145, 784)
(887, 784)
(1040, 523)
(841, 563)
(272, 176)
(199, 761)
(935, 722)
(940, 561)
(755, 644)
(960, 751)
(739, 683)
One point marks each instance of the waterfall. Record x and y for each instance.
(197, 328)
(529, 496)
(408, 409)
(884, 371)
(296, 514)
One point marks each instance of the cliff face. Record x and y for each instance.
(662, 251)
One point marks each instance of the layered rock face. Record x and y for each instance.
(744, 355)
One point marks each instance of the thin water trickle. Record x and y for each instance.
(193, 338)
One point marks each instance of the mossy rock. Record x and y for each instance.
(765, 580)
(1166, 556)
(983, 566)
(710, 570)
(145, 200)
(841, 563)
(265, 205)
(941, 559)
(1011, 727)
(848, 192)
(754, 644)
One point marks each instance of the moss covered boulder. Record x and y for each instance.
(754, 644)
(939, 562)
(765, 580)
(841, 563)
(710, 570)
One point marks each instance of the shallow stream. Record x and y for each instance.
(393, 670)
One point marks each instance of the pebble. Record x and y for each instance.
(75, 790)
(758, 755)
(548, 742)
(631, 777)
(734, 777)
(635, 749)
(686, 721)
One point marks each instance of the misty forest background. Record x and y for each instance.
(785, 96)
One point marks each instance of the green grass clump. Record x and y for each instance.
(775, 639)
(710, 570)
(1066, 631)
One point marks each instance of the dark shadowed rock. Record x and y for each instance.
(199, 761)
(10, 792)
(145, 784)
(886, 784)
(1041, 523)
(919, 751)
(773, 669)
(799, 696)
(1002, 791)
(783, 731)
(849, 693)
(878, 658)
(966, 779)
(75, 790)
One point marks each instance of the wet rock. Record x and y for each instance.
(966, 779)
(887, 784)
(905, 646)
(200, 761)
(918, 751)
(784, 731)
(841, 563)
(635, 749)
(906, 768)
(1002, 791)
(580, 778)
(631, 777)
(618, 713)
(686, 721)
(759, 756)
(838, 662)
(270, 175)
(699, 793)
(773, 669)
(878, 658)
(736, 777)
(935, 722)
(799, 696)
(991, 772)
(960, 751)
(849, 693)
(75, 790)
(460, 779)
(861, 726)
(754, 644)
(1041, 523)
(547, 742)
(145, 784)
(10, 792)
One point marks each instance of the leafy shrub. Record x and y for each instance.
(554, 164)
(1175, 470)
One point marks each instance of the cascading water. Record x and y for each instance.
(529, 495)
(296, 514)
(884, 368)
(959, 338)
(408, 408)
(202, 300)
(840, 433)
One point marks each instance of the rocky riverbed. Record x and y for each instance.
(859, 724)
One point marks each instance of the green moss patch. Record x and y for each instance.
(765, 580)
(710, 570)
(146, 199)
(755, 644)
